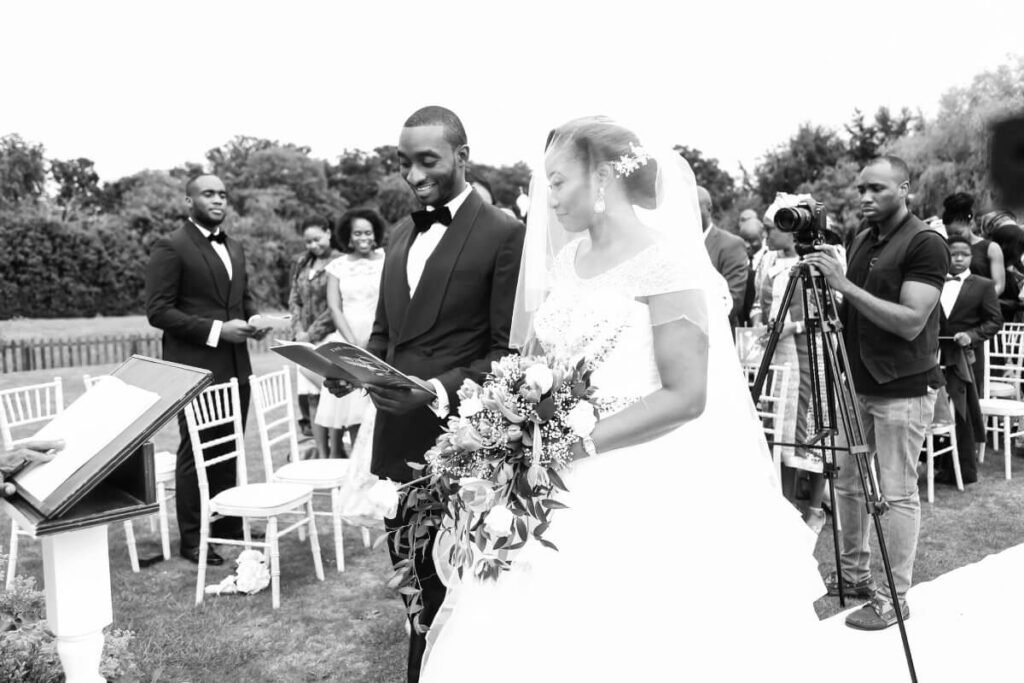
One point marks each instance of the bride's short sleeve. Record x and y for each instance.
(677, 288)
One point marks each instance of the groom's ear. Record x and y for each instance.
(462, 154)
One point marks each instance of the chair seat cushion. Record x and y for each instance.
(165, 464)
(1000, 389)
(260, 499)
(1001, 407)
(319, 473)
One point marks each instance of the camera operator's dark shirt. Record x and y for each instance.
(927, 261)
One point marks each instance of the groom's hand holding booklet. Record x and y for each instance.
(348, 362)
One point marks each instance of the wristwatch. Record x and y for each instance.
(588, 446)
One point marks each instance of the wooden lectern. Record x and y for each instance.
(115, 484)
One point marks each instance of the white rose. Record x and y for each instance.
(582, 419)
(384, 497)
(499, 520)
(469, 407)
(539, 377)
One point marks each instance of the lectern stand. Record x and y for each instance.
(116, 484)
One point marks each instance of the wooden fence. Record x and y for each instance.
(19, 355)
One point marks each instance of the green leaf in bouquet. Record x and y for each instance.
(546, 409)
(501, 542)
(556, 480)
(540, 529)
(552, 504)
(418, 466)
(381, 540)
(408, 590)
(521, 527)
(547, 544)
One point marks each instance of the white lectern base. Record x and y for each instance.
(76, 571)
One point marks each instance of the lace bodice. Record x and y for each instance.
(599, 318)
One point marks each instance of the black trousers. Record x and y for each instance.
(221, 476)
(433, 589)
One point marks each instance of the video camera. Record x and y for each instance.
(807, 221)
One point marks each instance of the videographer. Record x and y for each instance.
(895, 274)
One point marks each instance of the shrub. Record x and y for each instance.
(28, 650)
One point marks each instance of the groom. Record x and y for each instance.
(444, 311)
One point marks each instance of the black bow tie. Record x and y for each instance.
(424, 219)
(218, 237)
(950, 278)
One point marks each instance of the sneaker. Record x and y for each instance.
(877, 615)
(815, 518)
(865, 589)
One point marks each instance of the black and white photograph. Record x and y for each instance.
(490, 343)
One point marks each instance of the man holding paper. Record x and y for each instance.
(444, 312)
(197, 293)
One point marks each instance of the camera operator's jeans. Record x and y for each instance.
(895, 429)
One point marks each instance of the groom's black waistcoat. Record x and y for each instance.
(452, 327)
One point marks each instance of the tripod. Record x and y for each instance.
(834, 407)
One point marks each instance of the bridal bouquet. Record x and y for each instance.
(493, 473)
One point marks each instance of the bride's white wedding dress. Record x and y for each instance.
(678, 559)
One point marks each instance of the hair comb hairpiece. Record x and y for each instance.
(628, 163)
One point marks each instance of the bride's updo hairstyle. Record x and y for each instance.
(597, 139)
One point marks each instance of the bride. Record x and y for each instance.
(678, 558)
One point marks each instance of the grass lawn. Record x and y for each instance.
(27, 328)
(350, 627)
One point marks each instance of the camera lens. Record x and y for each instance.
(792, 219)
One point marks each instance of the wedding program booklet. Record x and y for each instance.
(87, 426)
(341, 360)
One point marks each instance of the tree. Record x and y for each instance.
(22, 171)
(710, 176)
(506, 181)
(356, 175)
(77, 185)
(868, 139)
(951, 153)
(803, 159)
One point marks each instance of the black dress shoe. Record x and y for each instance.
(212, 558)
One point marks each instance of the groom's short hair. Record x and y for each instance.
(434, 115)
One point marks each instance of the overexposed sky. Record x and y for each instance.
(153, 84)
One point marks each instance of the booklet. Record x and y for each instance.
(341, 360)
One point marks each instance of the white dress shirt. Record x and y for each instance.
(425, 243)
(222, 251)
(951, 290)
(422, 247)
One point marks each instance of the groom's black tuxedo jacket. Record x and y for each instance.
(451, 328)
(187, 288)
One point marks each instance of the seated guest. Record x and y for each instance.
(969, 316)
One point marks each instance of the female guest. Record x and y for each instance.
(352, 290)
(986, 256)
(1010, 239)
(792, 351)
(311, 321)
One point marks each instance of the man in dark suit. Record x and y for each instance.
(197, 293)
(444, 311)
(969, 316)
(728, 255)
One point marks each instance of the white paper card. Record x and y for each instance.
(273, 322)
(87, 426)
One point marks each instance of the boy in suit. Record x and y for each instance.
(969, 316)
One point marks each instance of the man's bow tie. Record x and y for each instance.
(424, 219)
(950, 278)
(218, 237)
